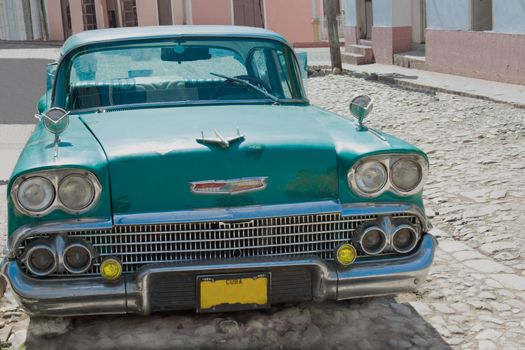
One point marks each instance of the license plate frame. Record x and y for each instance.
(226, 307)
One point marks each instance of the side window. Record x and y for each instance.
(284, 76)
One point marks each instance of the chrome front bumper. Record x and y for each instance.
(133, 293)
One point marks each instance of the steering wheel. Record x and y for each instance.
(253, 80)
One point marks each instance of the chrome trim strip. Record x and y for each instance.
(94, 295)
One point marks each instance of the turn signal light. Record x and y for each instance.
(345, 254)
(111, 269)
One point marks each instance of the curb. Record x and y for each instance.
(391, 79)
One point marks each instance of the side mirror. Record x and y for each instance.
(360, 107)
(56, 120)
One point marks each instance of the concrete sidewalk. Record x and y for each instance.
(12, 140)
(427, 80)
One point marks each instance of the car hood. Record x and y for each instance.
(154, 156)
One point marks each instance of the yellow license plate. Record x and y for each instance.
(233, 292)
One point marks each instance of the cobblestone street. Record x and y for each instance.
(474, 296)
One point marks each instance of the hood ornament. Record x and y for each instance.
(231, 186)
(220, 140)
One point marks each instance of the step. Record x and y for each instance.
(410, 59)
(354, 58)
(364, 50)
(366, 42)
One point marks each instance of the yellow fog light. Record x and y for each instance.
(345, 254)
(111, 269)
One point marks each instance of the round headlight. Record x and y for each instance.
(406, 174)
(370, 177)
(36, 194)
(76, 192)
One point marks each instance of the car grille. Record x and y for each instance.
(139, 245)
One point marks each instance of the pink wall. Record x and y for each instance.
(485, 55)
(77, 23)
(208, 12)
(147, 13)
(351, 36)
(386, 41)
(54, 20)
(291, 18)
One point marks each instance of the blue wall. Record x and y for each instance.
(449, 14)
(508, 16)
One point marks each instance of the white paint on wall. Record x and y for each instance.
(350, 8)
(382, 10)
(508, 16)
(392, 13)
(449, 14)
(401, 13)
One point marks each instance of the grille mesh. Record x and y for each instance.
(139, 245)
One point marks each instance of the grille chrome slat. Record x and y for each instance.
(140, 245)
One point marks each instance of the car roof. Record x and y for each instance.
(160, 32)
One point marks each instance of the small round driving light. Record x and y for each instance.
(345, 254)
(40, 259)
(372, 240)
(36, 194)
(77, 257)
(111, 269)
(404, 239)
(76, 192)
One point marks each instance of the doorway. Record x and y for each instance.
(165, 15)
(365, 20)
(66, 18)
(248, 13)
(369, 20)
(419, 21)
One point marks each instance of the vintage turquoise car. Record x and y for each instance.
(183, 168)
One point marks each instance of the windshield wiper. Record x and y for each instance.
(248, 84)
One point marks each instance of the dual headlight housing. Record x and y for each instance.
(402, 174)
(74, 191)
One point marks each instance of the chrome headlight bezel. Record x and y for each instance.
(388, 161)
(55, 177)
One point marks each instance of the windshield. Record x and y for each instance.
(184, 71)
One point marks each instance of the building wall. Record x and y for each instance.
(508, 16)
(383, 10)
(448, 14)
(54, 20)
(77, 22)
(485, 55)
(14, 26)
(277, 18)
(147, 12)
(392, 28)
(204, 12)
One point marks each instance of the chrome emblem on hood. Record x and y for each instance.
(232, 186)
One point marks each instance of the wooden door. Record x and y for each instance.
(165, 15)
(248, 13)
(66, 18)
